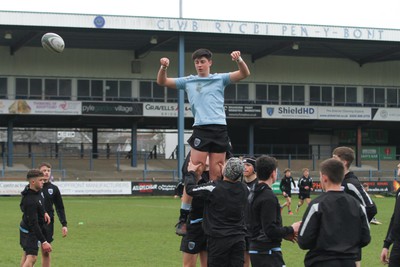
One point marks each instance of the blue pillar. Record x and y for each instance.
(181, 107)
(10, 144)
(251, 139)
(134, 145)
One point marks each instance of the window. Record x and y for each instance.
(237, 93)
(91, 89)
(321, 95)
(392, 97)
(28, 88)
(3, 88)
(57, 89)
(151, 92)
(292, 95)
(118, 90)
(374, 97)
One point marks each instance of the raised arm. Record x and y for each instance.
(243, 71)
(162, 78)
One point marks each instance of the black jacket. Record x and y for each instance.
(352, 186)
(266, 230)
(335, 226)
(393, 233)
(286, 184)
(303, 182)
(52, 196)
(225, 204)
(32, 208)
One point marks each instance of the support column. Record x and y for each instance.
(95, 144)
(10, 144)
(134, 145)
(181, 108)
(359, 145)
(251, 140)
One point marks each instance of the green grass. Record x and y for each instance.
(136, 231)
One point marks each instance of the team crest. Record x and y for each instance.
(197, 142)
(270, 111)
(191, 245)
(50, 191)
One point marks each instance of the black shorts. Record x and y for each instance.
(29, 242)
(303, 196)
(195, 240)
(288, 193)
(210, 138)
(226, 251)
(48, 231)
(334, 263)
(274, 259)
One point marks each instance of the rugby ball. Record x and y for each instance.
(53, 42)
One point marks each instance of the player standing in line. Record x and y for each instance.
(205, 93)
(52, 197)
(250, 179)
(225, 203)
(352, 185)
(335, 224)
(33, 221)
(305, 185)
(393, 234)
(194, 241)
(266, 227)
(286, 188)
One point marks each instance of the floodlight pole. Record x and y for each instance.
(181, 101)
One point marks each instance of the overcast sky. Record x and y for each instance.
(361, 13)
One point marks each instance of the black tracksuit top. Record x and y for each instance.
(33, 212)
(225, 204)
(266, 230)
(52, 196)
(334, 226)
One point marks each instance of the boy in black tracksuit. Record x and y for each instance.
(266, 227)
(286, 187)
(33, 220)
(225, 203)
(335, 224)
(393, 235)
(352, 185)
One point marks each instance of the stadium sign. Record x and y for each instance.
(243, 111)
(109, 108)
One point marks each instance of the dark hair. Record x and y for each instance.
(345, 153)
(334, 169)
(48, 165)
(34, 173)
(265, 165)
(202, 52)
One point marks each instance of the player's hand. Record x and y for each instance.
(197, 168)
(306, 187)
(385, 256)
(64, 231)
(46, 247)
(47, 218)
(164, 62)
(291, 238)
(284, 194)
(296, 227)
(235, 55)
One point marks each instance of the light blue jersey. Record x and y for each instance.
(206, 97)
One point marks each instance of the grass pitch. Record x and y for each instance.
(139, 231)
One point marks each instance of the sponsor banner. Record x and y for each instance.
(110, 108)
(289, 112)
(12, 188)
(344, 113)
(153, 188)
(243, 111)
(46, 107)
(153, 109)
(379, 187)
(381, 152)
(387, 114)
(94, 188)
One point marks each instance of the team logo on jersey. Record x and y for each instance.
(50, 190)
(197, 142)
(191, 245)
(270, 111)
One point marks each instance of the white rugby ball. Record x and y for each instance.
(53, 42)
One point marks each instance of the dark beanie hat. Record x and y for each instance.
(250, 160)
(234, 168)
